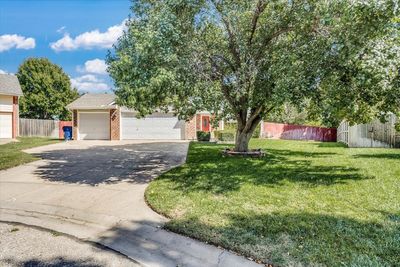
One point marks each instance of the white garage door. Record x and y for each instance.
(94, 126)
(157, 126)
(5, 125)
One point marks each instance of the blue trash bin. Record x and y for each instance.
(67, 133)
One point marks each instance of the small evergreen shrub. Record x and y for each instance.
(203, 136)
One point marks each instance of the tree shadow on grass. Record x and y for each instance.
(378, 156)
(134, 163)
(331, 144)
(54, 262)
(298, 239)
(207, 170)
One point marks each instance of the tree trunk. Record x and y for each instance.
(244, 133)
(242, 141)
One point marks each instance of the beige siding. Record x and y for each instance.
(6, 103)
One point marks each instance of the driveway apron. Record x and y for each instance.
(94, 190)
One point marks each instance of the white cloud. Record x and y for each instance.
(90, 40)
(89, 83)
(61, 29)
(9, 41)
(6, 72)
(88, 78)
(96, 66)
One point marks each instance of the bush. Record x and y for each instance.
(231, 128)
(256, 133)
(397, 127)
(203, 136)
(226, 136)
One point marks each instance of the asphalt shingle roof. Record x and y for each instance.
(93, 101)
(9, 85)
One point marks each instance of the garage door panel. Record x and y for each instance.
(94, 126)
(156, 126)
(5, 125)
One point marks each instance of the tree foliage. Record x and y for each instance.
(47, 90)
(243, 59)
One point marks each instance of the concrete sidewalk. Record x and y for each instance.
(94, 191)
(6, 141)
(23, 245)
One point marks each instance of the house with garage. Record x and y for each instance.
(98, 117)
(10, 91)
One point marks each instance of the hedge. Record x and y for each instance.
(203, 136)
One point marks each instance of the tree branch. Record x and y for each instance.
(270, 38)
(225, 92)
(233, 47)
(261, 5)
(254, 116)
(227, 61)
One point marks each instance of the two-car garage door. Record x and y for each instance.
(156, 126)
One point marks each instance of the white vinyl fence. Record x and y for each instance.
(36, 127)
(374, 134)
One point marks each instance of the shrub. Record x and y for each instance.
(231, 127)
(203, 136)
(397, 127)
(256, 133)
(226, 136)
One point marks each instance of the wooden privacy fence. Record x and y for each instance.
(297, 132)
(374, 134)
(42, 128)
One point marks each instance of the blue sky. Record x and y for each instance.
(75, 34)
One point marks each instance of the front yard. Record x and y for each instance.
(11, 154)
(305, 203)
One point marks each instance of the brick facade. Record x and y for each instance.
(198, 122)
(61, 125)
(190, 129)
(114, 124)
(75, 124)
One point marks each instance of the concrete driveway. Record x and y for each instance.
(94, 190)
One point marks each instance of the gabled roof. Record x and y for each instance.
(9, 85)
(94, 101)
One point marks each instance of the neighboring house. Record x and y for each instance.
(10, 91)
(97, 116)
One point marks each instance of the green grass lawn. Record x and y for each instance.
(305, 203)
(11, 154)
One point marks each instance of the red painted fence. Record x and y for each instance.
(60, 128)
(297, 132)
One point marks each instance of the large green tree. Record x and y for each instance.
(47, 90)
(243, 59)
